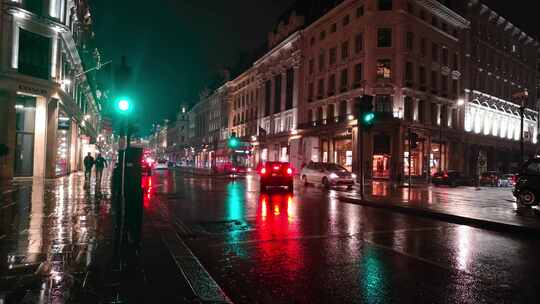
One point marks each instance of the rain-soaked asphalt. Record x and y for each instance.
(308, 247)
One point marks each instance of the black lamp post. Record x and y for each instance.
(522, 96)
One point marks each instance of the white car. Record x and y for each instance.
(327, 174)
(161, 165)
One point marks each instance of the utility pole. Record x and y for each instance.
(440, 138)
(522, 97)
(410, 157)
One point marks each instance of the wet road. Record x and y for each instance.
(311, 248)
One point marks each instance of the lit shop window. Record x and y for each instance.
(384, 69)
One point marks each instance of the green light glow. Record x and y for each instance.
(233, 142)
(369, 117)
(123, 105)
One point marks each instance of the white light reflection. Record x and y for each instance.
(333, 202)
(463, 247)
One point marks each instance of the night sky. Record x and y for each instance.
(176, 47)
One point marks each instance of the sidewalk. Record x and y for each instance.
(489, 207)
(49, 232)
(57, 245)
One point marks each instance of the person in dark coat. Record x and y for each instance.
(100, 163)
(88, 164)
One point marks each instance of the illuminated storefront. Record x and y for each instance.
(381, 156)
(496, 117)
(343, 153)
(417, 156)
(63, 145)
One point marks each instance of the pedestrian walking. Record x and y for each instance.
(101, 163)
(88, 164)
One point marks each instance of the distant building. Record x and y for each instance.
(446, 71)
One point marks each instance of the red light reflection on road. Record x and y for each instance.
(148, 190)
(278, 229)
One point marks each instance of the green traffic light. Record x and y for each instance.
(369, 117)
(123, 105)
(233, 142)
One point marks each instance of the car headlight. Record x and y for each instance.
(333, 175)
(353, 176)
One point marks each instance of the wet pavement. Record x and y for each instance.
(309, 247)
(484, 204)
(48, 237)
(58, 245)
(215, 240)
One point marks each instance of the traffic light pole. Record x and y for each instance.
(410, 157)
(521, 139)
(361, 152)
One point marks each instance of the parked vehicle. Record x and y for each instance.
(527, 189)
(327, 174)
(161, 165)
(490, 178)
(276, 174)
(507, 180)
(451, 178)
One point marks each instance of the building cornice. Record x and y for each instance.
(484, 9)
(18, 12)
(285, 44)
(443, 12)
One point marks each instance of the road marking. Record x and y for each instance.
(325, 236)
(200, 281)
(416, 257)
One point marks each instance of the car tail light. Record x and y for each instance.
(276, 168)
(234, 169)
(445, 175)
(289, 171)
(263, 171)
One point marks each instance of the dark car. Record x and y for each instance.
(527, 189)
(490, 178)
(276, 174)
(450, 178)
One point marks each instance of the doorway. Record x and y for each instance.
(25, 109)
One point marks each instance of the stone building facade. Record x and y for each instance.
(49, 112)
(405, 54)
(499, 61)
(279, 79)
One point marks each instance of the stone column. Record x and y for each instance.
(296, 86)
(40, 137)
(331, 149)
(283, 90)
(415, 110)
(271, 112)
(282, 100)
(52, 129)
